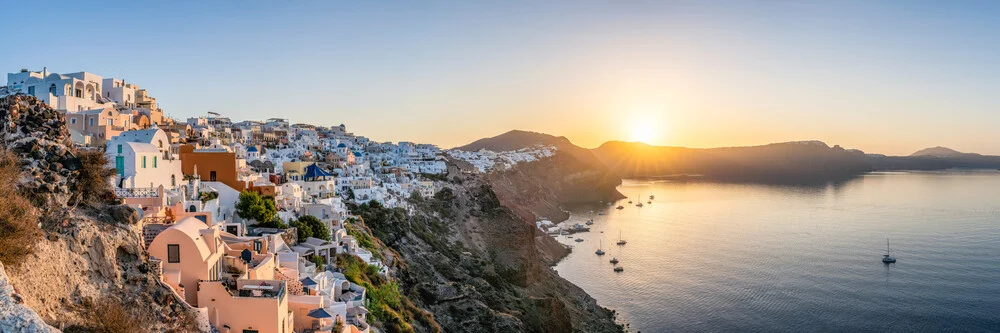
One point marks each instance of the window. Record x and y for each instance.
(173, 180)
(173, 253)
(211, 176)
(119, 149)
(72, 121)
(144, 162)
(111, 122)
(31, 90)
(91, 121)
(249, 331)
(154, 161)
(52, 89)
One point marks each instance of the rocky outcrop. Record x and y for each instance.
(38, 135)
(540, 189)
(91, 254)
(474, 264)
(14, 315)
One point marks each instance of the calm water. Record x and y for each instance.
(736, 258)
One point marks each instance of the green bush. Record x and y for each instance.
(252, 205)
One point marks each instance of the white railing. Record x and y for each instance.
(137, 192)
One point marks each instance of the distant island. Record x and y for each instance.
(798, 162)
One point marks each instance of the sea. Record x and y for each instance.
(721, 257)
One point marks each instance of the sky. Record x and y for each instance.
(887, 77)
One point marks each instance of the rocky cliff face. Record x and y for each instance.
(475, 265)
(89, 253)
(14, 315)
(539, 189)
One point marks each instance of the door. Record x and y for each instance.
(120, 166)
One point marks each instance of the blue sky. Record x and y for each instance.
(882, 76)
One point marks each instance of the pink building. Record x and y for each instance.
(251, 306)
(190, 252)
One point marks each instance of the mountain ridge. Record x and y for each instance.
(805, 161)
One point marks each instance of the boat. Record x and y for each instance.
(630, 201)
(651, 197)
(599, 251)
(564, 232)
(887, 257)
(614, 260)
(579, 228)
(620, 207)
(619, 269)
(579, 240)
(620, 240)
(649, 202)
(601, 213)
(639, 205)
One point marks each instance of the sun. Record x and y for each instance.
(642, 132)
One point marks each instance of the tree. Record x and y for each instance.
(316, 227)
(276, 223)
(252, 205)
(304, 231)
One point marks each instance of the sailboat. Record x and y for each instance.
(620, 240)
(639, 204)
(887, 257)
(599, 251)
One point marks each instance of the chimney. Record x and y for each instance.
(45, 72)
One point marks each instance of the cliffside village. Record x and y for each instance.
(185, 179)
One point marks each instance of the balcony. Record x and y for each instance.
(136, 192)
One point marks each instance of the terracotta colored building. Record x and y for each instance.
(212, 166)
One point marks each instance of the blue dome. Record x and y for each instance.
(341, 145)
(252, 149)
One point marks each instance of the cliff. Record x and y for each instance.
(74, 259)
(474, 264)
(539, 189)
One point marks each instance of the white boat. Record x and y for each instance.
(887, 257)
(620, 240)
(599, 251)
(590, 222)
(579, 228)
(601, 213)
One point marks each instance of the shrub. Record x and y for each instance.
(93, 184)
(318, 261)
(112, 316)
(18, 223)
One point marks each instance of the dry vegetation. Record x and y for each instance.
(18, 223)
(92, 185)
(108, 315)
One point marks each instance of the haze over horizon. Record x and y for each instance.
(886, 77)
